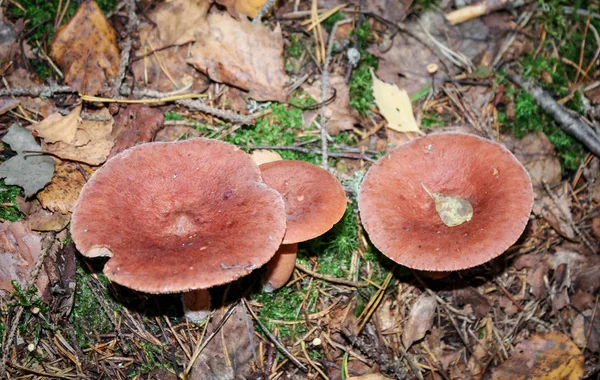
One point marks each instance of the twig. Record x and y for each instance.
(35, 91)
(194, 105)
(132, 22)
(333, 280)
(380, 358)
(312, 151)
(273, 339)
(570, 124)
(324, 87)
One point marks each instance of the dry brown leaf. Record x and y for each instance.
(557, 214)
(537, 154)
(176, 132)
(386, 315)
(20, 249)
(57, 127)
(7, 104)
(470, 296)
(340, 116)
(135, 124)
(175, 22)
(231, 353)
(40, 219)
(254, 65)
(93, 141)
(585, 331)
(86, 49)
(394, 105)
(420, 319)
(262, 156)
(550, 356)
(241, 8)
(62, 193)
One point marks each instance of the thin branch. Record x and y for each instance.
(312, 151)
(569, 123)
(132, 23)
(273, 339)
(333, 280)
(45, 91)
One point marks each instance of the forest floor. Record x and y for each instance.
(348, 311)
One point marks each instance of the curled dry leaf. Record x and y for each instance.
(40, 219)
(394, 104)
(92, 143)
(420, 319)
(255, 64)
(543, 356)
(20, 249)
(62, 193)
(57, 127)
(30, 171)
(86, 49)
(452, 209)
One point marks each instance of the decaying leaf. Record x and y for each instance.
(57, 127)
(542, 357)
(557, 214)
(538, 155)
(452, 209)
(134, 125)
(20, 249)
(62, 193)
(40, 219)
(231, 353)
(340, 116)
(370, 376)
(7, 104)
(254, 65)
(394, 104)
(175, 22)
(93, 141)
(242, 8)
(420, 319)
(29, 171)
(86, 49)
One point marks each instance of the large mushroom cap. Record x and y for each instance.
(179, 216)
(401, 219)
(314, 199)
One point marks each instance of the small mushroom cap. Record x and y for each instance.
(179, 216)
(401, 219)
(314, 199)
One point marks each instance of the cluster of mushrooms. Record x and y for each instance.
(189, 215)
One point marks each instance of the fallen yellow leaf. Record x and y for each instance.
(394, 105)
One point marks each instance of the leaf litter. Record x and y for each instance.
(463, 326)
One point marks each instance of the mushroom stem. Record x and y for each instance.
(196, 305)
(281, 267)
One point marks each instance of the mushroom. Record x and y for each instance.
(314, 201)
(175, 217)
(405, 195)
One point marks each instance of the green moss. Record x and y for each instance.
(31, 325)
(284, 305)
(9, 209)
(295, 48)
(279, 128)
(331, 20)
(361, 82)
(173, 116)
(432, 120)
(88, 315)
(152, 355)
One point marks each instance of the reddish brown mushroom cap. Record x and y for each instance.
(401, 219)
(179, 216)
(314, 199)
